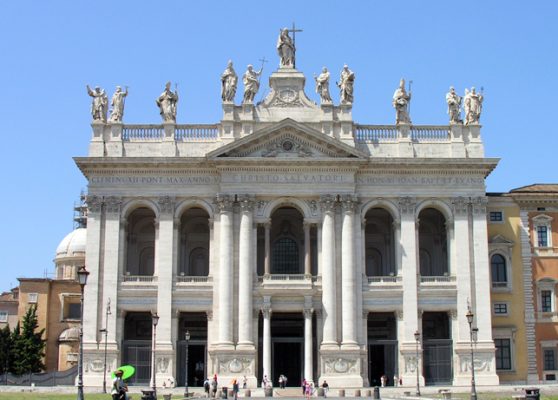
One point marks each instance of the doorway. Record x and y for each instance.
(382, 348)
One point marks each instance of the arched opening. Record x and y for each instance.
(379, 243)
(498, 271)
(140, 242)
(194, 243)
(287, 241)
(433, 246)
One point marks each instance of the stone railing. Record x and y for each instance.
(430, 133)
(383, 280)
(376, 133)
(141, 133)
(139, 279)
(282, 278)
(196, 132)
(184, 279)
(147, 133)
(436, 280)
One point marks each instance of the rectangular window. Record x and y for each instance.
(546, 301)
(503, 354)
(549, 359)
(3, 316)
(32, 297)
(496, 216)
(542, 236)
(500, 308)
(74, 311)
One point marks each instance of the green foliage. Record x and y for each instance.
(5, 344)
(28, 345)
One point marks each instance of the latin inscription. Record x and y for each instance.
(420, 180)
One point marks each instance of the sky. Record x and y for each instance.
(50, 50)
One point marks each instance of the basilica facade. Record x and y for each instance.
(288, 239)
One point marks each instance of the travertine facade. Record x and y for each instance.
(289, 239)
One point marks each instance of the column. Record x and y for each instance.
(308, 362)
(164, 257)
(307, 265)
(267, 259)
(348, 294)
(111, 271)
(93, 249)
(266, 312)
(409, 267)
(225, 204)
(329, 306)
(245, 272)
(462, 266)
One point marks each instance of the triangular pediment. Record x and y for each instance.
(500, 240)
(287, 139)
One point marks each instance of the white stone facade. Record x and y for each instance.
(339, 193)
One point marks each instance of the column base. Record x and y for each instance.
(341, 368)
(485, 365)
(234, 364)
(245, 346)
(329, 346)
(350, 346)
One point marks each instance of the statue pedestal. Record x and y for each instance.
(327, 119)
(227, 123)
(114, 145)
(472, 139)
(168, 147)
(457, 144)
(405, 147)
(97, 144)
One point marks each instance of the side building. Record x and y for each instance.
(507, 283)
(288, 239)
(539, 219)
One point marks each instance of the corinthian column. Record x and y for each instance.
(307, 265)
(348, 272)
(225, 204)
(267, 249)
(266, 312)
(308, 363)
(329, 305)
(409, 266)
(245, 271)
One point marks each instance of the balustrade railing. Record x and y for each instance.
(430, 133)
(140, 133)
(384, 279)
(196, 132)
(437, 279)
(193, 279)
(139, 278)
(375, 133)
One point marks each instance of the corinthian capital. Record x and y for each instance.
(246, 203)
(224, 202)
(328, 202)
(479, 204)
(348, 202)
(407, 205)
(93, 203)
(166, 204)
(460, 205)
(113, 204)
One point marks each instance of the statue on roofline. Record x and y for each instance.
(346, 85)
(322, 85)
(251, 80)
(229, 81)
(454, 106)
(167, 103)
(473, 106)
(99, 105)
(286, 49)
(401, 100)
(117, 103)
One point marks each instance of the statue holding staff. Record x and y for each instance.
(118, 101)
(473, 106)
(286, 49)
(401, 102)
(251, 80)
(167, 103)
(99, 105)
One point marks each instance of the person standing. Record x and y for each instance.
(235, 389)
(325, 386)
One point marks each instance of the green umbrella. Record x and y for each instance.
(127, 372)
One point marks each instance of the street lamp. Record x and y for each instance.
(154, 320)
(105, 331)
(417, 340)
(187, 337)
(82, 274)
(472, 333)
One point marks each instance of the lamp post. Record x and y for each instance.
(472, 331)
(417, 340)
(154, 320)
(187, 337)
(105, 331)
(82, 274)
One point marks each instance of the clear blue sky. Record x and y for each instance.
(49, 51)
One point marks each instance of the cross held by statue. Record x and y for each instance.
(293, 30)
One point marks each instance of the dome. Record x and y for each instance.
(73, 244)
(69, 335)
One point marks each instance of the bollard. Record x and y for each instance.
(320, 392)
(376, 392)
(247, 393)
(357, 393)
(341, 393)
(368, 393)
(224, 392)
(268, 392)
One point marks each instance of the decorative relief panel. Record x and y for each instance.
(162, 364)
(482, 363)
(341, 366)
(410, 364)
(286, 147)
(234, 365)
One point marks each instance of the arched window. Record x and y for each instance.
(285, 256)
(499, 272)
(140, 243)
(193, 259)
(433, 242)
(379, 242)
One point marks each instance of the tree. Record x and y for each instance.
(28, 346)
(5, 344)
